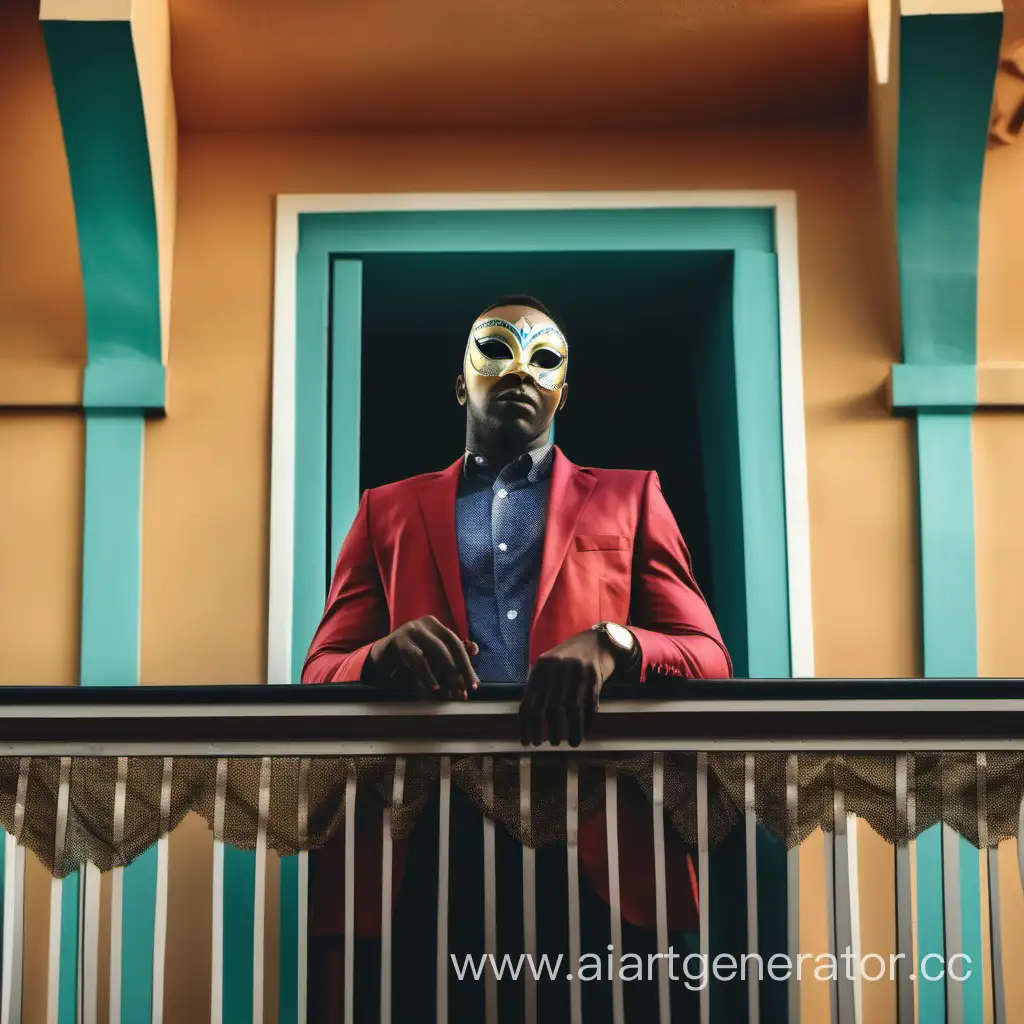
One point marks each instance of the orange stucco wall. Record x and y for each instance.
(42, 308)
(42, 333)
(999, 437)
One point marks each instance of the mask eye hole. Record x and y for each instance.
(547, 358)
(492, 348)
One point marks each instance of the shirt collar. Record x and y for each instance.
(540, 460)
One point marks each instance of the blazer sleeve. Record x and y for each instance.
(671, 620)
(356, 613)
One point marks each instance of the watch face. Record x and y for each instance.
(620, 636)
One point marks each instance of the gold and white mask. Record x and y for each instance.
(497, 347)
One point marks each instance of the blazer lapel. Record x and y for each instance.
(437, 495)
(568, 493)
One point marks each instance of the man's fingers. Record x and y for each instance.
(559, 681)
(575, 700)
(443, 665)
(531, 710)
(527, 713)
(416, 661)
(466, 676)
(582, 712)
(592, 700)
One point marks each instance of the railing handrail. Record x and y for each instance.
(820, 714)
(845, 688)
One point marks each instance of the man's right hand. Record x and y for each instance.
(424, 656)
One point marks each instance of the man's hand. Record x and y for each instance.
(563, 690)
(425, 656)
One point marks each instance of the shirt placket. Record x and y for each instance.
(502, 546)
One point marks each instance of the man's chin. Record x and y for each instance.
(516, 426)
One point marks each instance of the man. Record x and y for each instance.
(514, 565)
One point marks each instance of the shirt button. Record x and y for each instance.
(480, 460)
(503, 546)
(503, 493)
(511, 613)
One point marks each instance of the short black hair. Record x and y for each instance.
(521, 300)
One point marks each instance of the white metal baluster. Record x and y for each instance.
(89, 943)
(117, 893)
(57, 892)
(830, 915)
(660, 885)
(904, 903)
(529, 886)
(351, 782)
(444, 828)
(302, 959)
(843, 909)
(14, 905)
(260, 893)
(387, 887)
(162, 878)
(611, 802)
(703, 881)
(490, 894)
(1020, 841)
(572, 830)
(951, 920)
(793, 884)
(994, 919)
(750, 825)
(217, 949)
(994, 929)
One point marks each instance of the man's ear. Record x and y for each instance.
(460, 390)
(564, 398)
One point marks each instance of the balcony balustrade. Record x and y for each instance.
(91, 778)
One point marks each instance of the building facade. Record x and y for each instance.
(198, 206)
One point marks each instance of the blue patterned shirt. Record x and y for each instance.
(499, 526)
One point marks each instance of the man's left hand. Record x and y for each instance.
(563, 690)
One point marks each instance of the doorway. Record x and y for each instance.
(636, 323)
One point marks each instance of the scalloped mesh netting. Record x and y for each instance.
(977, 795)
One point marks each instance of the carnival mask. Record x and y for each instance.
(497, 347)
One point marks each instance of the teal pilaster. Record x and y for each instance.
(947, 544)
(111, 549)
(99, 97)
(947, 69)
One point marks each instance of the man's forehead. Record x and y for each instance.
(525, 318)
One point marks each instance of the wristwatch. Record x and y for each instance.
(622, 640)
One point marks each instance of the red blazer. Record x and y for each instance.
(612, 551)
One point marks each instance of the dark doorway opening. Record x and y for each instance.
(634, 322)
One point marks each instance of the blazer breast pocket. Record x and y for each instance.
(601, 542)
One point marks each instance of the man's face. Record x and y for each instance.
(513, 374)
